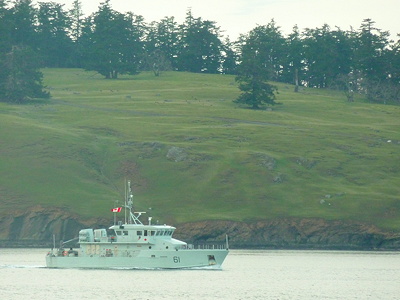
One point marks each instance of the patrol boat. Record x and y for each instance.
(134, 245)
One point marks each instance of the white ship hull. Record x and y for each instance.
(133, 245)
(191, 258)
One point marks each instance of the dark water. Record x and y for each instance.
(245, 275)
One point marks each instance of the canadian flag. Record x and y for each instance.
(117, 209)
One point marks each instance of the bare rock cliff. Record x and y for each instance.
(292, 234)
(36, 227)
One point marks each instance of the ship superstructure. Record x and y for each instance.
(132, 244)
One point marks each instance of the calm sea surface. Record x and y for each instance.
(245, 275)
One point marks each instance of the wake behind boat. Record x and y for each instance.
(134, 245)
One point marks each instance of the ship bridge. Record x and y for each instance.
(142, 233)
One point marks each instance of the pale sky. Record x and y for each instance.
(240, 16)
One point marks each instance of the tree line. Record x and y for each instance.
(111, 43)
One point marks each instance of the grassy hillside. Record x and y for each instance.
(192, 154)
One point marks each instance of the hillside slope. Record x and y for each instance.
(193, 155)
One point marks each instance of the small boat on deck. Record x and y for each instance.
(134, 245)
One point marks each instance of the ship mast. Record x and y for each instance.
(133, 219)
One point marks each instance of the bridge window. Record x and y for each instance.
(139, 232)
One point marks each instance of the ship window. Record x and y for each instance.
(152, 233)
(125, 232)
(145, 233)
(158, 232)
(118, 232)
(139, 232)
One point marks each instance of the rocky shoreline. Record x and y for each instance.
(36, 227)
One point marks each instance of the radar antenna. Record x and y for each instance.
(133, 219)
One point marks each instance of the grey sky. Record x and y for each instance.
(240, 16)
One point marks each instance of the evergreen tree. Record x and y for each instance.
(5, 27)
(372, 55)
(53, 37)
(24, 19)
(5, 42)
(293, 63)
(327, 55)
(252, 80)
(76, 20)
(229, 57)
(265, 44)
(371, 45)
(162, 41)
(393, 70)
(200, 46)
(261, 60)
(112, 42)
(21, 80)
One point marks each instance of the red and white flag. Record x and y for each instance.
(117, 209)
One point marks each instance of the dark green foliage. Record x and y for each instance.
(293, 63)
(5, 27)
(255, 92)
(20, 79)
(23, 30)
(76, 20)
(375, 62)
(370, 48)
(112, 42)
(52, 33)
(252, 82)
(200, 46)
(259, 60)
(229, 58)
(328, 54)
(162, 39)
(265, 47)
(363, 61)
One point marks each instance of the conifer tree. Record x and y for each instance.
(20, 78)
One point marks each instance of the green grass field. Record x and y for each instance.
(192, 154)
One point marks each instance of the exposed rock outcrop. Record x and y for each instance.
(292, 234)
(35, 228)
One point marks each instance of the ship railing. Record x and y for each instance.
(203, 247)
